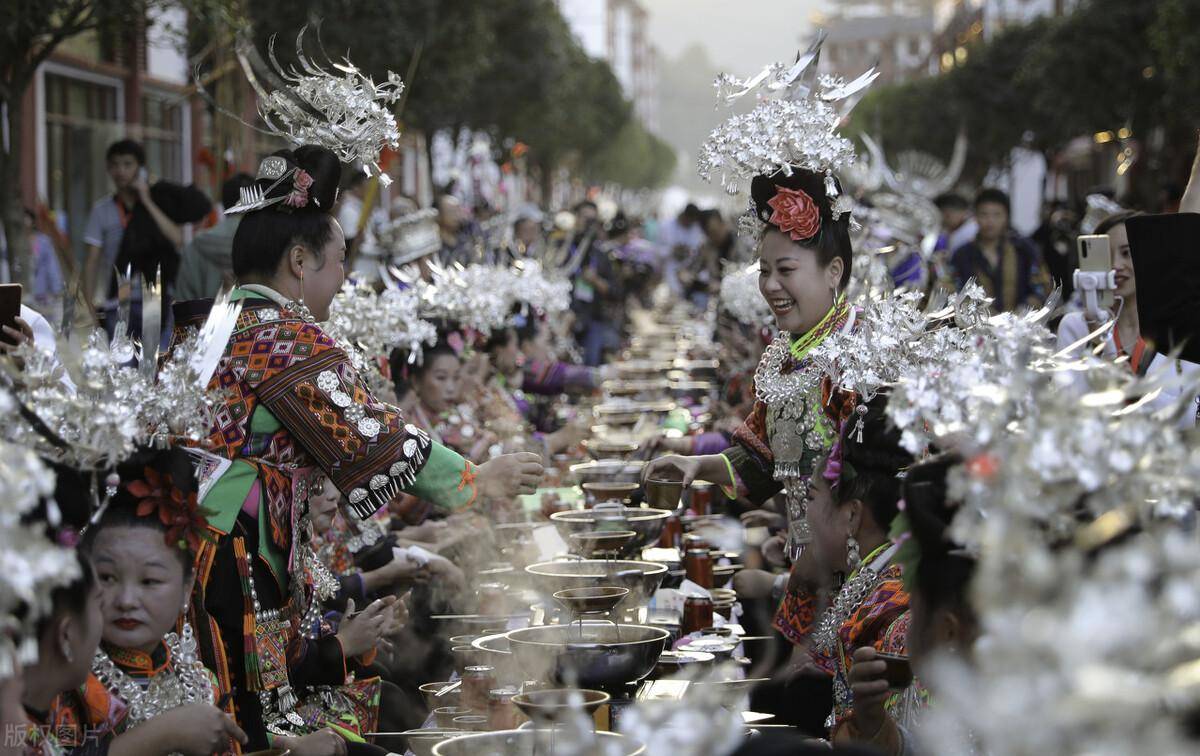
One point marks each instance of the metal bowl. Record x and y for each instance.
(496, 652)
(589, 654)
(548, 707)
(595, 492)
(607, 449)
(429, 692)
(591, 600)
(607, 470)
(530, 743)
(646, 522)
(641, 578)
(593, 544)
(673, 662)
(420, 742)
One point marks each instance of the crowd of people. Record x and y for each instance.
(237, 516)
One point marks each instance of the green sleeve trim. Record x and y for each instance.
(447, 479)
(730, 491)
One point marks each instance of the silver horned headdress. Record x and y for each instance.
(343, 110)
(794, 125)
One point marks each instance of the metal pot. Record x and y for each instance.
(531, 742)
(641, 578)
(588, 654)
(646, 522)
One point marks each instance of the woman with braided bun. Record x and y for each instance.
(295, 408)
(846, 600)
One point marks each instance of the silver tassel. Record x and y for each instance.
(287, 698)
(831, 190)
(858, 428)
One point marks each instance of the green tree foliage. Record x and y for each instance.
(1176, 50)
(508, 67)
(1111, 63)
(635, 158)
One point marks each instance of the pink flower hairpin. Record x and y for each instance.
(301, 182)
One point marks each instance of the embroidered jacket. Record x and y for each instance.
(80, 722)
(293, 403)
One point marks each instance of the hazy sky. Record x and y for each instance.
(741, 35)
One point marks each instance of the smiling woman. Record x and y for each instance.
(805, 253)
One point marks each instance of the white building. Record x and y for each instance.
(899, 46)
(617, 31)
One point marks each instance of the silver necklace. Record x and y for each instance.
(849, 598)
(184, 681)
(771, 385)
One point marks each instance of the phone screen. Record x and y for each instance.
(1095, 256)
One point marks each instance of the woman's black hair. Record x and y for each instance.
(1114, 220)
(943, 572)
(441, 349)
(500, 338)
(833, 240)
(872, 468)
(265, 235)
(71, 598)
(121, 511)
(398, 367)
(65, 514)
(529, 329)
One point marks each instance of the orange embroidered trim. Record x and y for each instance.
(468, 479)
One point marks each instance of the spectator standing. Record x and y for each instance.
(1005, 264)
(138, 228)
(207, 264)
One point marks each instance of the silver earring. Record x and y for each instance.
(853, 558)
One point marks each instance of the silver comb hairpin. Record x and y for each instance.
(254, 197)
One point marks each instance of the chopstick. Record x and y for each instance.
(448, 689)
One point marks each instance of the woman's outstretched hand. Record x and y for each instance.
(509, 475)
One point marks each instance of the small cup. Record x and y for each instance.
(432, 701)
(472, 722)
(899, 673)
(663, 493)
(445, 716)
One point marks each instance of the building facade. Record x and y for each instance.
(617, 31)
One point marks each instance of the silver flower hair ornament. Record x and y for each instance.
(343, 110)
(793, 125)
(31, 566)
(483, 297)
(89, 406)
(1086, 577)
(377, 323)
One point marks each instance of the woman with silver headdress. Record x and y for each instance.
(296, 407)
(788, 148)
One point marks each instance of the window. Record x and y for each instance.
(81, 121)
(162, 135)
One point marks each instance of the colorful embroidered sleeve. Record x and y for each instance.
(877, 613)
(750, 458)
(310, 386)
